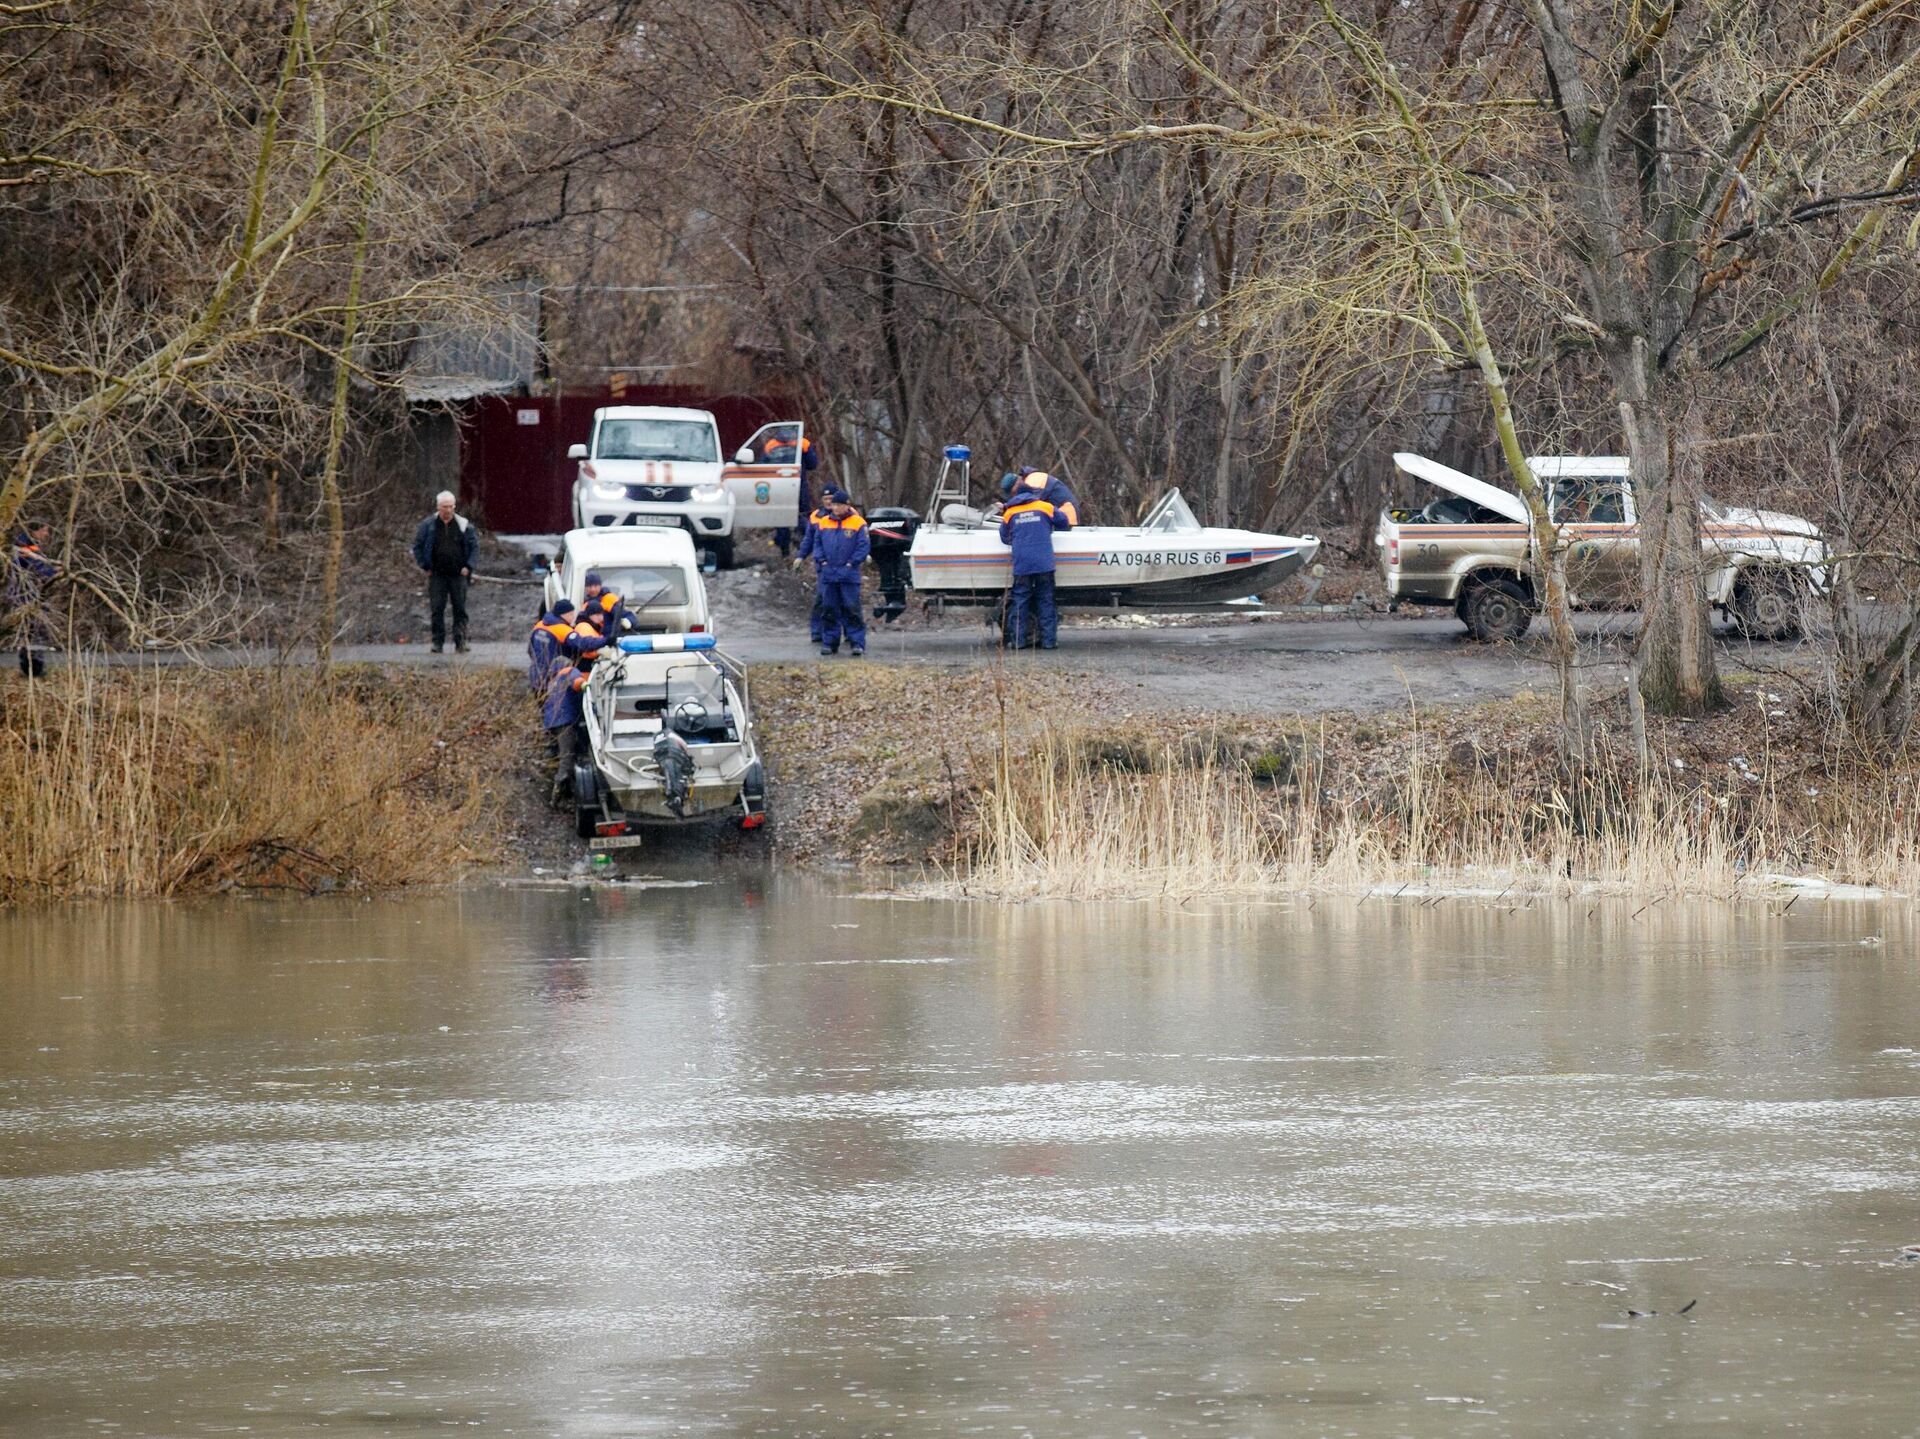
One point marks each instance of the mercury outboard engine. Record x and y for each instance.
(891, 530)
(670, 752)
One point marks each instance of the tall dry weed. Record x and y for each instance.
(171, 782)
(1060, 822)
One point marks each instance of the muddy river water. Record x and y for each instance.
(771, 1158)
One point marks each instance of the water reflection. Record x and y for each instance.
(792, 1161)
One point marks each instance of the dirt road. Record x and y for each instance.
(1245, 664)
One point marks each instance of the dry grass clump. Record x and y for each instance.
(1087, 817)
(185, 781)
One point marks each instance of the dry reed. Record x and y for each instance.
(1059, 822)
(124, 783)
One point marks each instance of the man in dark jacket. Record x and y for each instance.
(27, 576)
(447, 547)
(839, 544)
(1026, 527)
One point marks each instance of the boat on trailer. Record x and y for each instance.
(670, 740)
(1167, 561)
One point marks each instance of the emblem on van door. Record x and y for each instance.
(762, 493)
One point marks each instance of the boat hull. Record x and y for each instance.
(1112, 567)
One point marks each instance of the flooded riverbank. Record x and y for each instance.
(771, 1158)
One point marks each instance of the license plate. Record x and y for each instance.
(617, 841)
(671, 521)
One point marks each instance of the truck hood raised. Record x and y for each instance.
(1772, 521)
(1501, 502)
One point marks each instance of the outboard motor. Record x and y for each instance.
(891, 530)
(670, 752)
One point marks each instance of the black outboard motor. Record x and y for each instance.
(891, 530)
(670, 752)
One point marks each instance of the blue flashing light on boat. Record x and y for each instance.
(663, 644)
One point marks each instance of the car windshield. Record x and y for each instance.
(689, 440)
(640, 585)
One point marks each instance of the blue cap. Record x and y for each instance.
(1008, 481)
(563, 606)
(834, 492)
(957, 452)
(593, 578)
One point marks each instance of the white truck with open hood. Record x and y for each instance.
(1472, 549)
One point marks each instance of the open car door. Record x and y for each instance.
(765, 476)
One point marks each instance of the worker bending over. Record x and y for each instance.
(1027, 525)
(563, 714)
(553, 630)
(838, 543)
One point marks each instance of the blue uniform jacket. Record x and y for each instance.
(807, 528)
(542, 647)
(1026, 527)
(423, 542)
(609, 610)
(838, 547)
(563, 706)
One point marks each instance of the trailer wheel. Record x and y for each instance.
(1766, 605)
(586, 800)
(1496, 610)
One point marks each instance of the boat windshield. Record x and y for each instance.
(1169, 515)
(690, 441)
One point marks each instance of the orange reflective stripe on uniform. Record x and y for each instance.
(1038, 506)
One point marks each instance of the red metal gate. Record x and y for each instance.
(515, 477)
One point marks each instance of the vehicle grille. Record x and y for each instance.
(660, 494)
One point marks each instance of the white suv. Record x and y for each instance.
(648, 465)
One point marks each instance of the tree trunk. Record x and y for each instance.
(1674, 654)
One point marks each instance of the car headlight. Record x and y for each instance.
(608, 490)
(709, 494)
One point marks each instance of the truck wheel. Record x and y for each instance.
(1766, 605)
(586, 800)
(1496, 610)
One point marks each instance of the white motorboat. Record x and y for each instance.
(1168, 560)
(669, 739)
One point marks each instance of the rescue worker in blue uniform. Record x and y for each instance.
(555, 627)
(610, 613)
(584, 643)
(787, 446)
(816, 617)
(1054, 490)
(1027, 526)
(27, 577)
(839, 544)
(563, 714)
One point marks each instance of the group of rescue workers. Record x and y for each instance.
(560, 655)
(1033, 507)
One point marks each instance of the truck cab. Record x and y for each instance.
(1472, 549)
